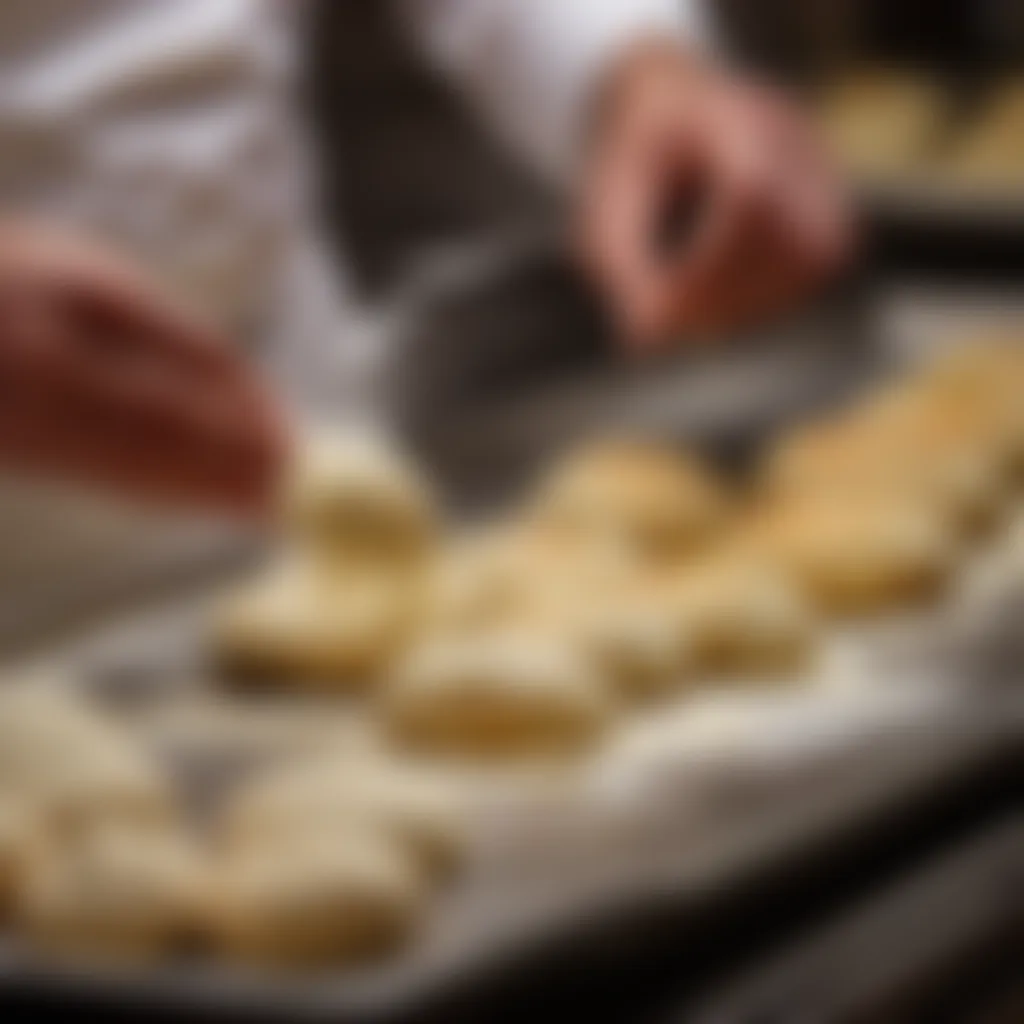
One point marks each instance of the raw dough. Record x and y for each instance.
(326, 899)
(882, 122)
(307, 624)
(479, 580)
(659, 502)
(980, 382)
(991, 153)
(15, 831)
(355, 499)
(903, 446)
(114, 891)
(632, 638)
(858, 556)
(505, 694)
(70, 767)
(741, 615)
(216, 730)
(330, 795)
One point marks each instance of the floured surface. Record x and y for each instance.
(545, 840)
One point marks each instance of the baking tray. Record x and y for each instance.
(800, 793)
(741, 883)
(879, 962)
(499, 354)
(920, 729)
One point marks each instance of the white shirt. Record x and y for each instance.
(164, 127)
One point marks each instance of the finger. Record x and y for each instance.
(119, 311)
(772, 235)
(143, 431)
(820, 204)
(753, 281)
(694, 294)
(623, 214)
(789, 256)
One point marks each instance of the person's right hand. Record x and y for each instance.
(763, 217)
(105, 380)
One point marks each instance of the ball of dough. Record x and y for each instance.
(331, 795)
(991, 153)
(218, 730)
(979, 363)
(16, 829)
(356, 499)
(478, 581)
(70, 766)
(505, 694)
(741, 615)
(306, 624)
(660, 502)
(327, 899)
(114, 891)
(862, 556)
(881, 122)
(632, 638)
(979, 383)
(908, 449)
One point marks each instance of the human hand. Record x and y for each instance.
(105, 380)
(767, 220)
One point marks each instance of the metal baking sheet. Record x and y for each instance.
(752, 778)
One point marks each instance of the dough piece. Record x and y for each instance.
(658, 502)
(526, 580)
(851, 556)
(976, 363)
(322, 900)
(884, 123)
(633, 639)
(980, 383)
(215, 730)
(308, 624)
(332, 795)
(910, 450)
(70, 767)
(741, 615)
(15, 832)
(508, 694)
(964, 445)
(113, 892)
(479, 581)
(991, 154)
(353, 498)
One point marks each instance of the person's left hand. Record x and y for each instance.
(766, 220)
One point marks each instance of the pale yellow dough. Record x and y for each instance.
(114, 891)
(991, 153)
(16, 831)
(479, 580)
(883, 123)
(325, 796)
(69, 767)
(324, 899)
(859, 556)
(498, 695)
(352, 585)
(355, 499)
(631, 638)
(742, 615)
(307, 624)
(657, 502)
(907, 446)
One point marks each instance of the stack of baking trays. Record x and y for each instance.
(397, 766)
(929, 147)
